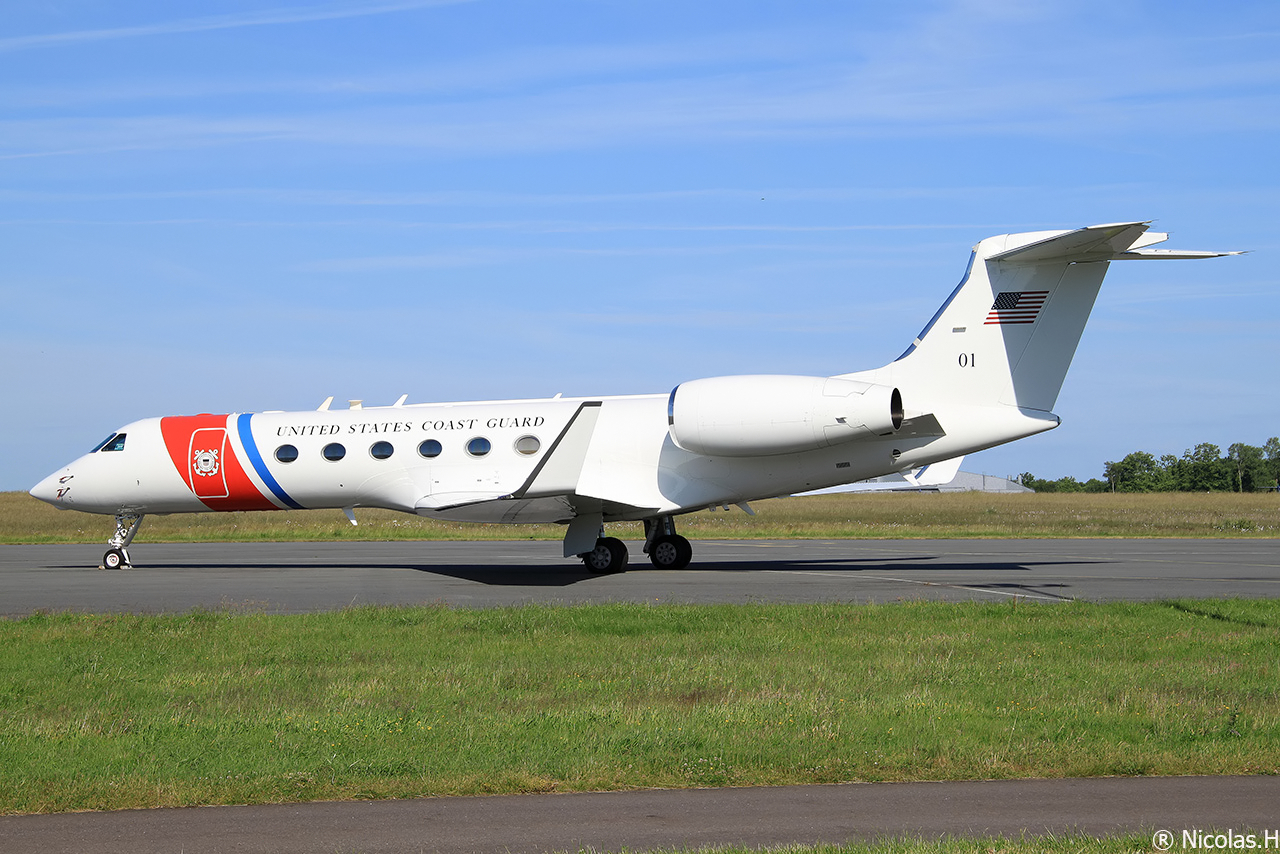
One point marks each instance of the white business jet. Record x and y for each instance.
(986, 369)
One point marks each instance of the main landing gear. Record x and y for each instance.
(666, 549)
(117, 557)
(609, 555)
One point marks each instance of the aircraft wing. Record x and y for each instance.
(438, 502)
(935, 474)
(548, 493)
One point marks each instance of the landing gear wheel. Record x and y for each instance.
(117, 556)
(670, 551)
(609, 555)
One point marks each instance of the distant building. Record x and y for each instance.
(967, 481)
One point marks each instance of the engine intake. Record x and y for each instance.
(765, 414)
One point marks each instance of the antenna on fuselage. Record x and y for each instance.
(324, 407)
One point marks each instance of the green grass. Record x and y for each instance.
(101, 712)
(23, 519)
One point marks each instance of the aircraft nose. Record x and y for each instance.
(54, 488)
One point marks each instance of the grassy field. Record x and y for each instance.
(100, 712)
(23, 519)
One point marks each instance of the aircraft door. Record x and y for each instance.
(205, 459)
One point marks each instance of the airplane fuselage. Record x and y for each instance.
(985, 370)
(462, 461)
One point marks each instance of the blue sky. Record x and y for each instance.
(254, 206)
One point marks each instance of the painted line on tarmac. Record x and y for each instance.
(860, 575)
(1065, 557)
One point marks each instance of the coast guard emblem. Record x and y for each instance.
(205, 463)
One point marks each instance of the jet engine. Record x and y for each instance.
(761, 415)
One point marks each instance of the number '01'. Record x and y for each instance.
(968, 360)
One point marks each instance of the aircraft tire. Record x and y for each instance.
(609, 555)
(114, 559)
(670, 551)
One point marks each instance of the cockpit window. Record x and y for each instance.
(115, 443)
(102, 444)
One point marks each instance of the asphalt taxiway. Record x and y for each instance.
(666, 819)
(302, 577)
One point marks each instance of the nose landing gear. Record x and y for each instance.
(117, 557)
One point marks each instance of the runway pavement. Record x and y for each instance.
(647, 820)
(300, 577)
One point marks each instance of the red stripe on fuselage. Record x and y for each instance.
(212, 468)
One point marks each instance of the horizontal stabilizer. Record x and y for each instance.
(1127, 241)
(1171, 254)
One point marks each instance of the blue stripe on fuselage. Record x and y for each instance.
(260, 465)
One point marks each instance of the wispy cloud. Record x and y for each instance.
(522, 68)
(828, 100)
(266, 17)
(1016, 75)
(395, 199)
(491, 257)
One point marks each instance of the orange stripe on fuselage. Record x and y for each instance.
(241, 492)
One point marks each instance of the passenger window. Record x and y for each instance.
(430, 449)
(286, 453)
(115, 443)
(334, 452)
(102, 444)
(381, 450)
(479, 446)
(527, 445)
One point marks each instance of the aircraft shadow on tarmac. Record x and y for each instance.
(526, 576)
(570, 574)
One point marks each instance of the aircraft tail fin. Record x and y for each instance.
(1009, 330)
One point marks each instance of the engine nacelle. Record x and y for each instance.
(765, 414)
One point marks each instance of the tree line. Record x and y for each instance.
(1204, 468)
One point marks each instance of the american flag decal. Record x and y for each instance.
(1016, 307)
